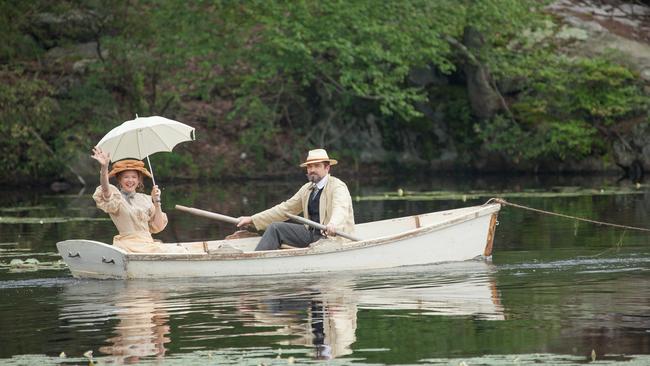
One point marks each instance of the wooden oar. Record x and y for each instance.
(318, 226)
(208, 214)
(232, 220)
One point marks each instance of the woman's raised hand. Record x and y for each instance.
(102, 157)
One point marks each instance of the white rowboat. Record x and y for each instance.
(443, 236)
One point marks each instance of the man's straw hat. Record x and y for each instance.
(318, 156)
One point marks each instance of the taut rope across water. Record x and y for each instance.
(504, 202)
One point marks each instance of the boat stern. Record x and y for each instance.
(487, 253)
(93, 259)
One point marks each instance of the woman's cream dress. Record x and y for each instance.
(133, 218)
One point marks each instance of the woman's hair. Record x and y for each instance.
(140, 186)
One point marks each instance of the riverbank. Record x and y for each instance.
(547, 96)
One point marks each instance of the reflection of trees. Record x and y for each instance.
(537, 231)
(574, 306)
(605, 323)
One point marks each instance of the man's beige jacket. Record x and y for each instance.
(335, 207)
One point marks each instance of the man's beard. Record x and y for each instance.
(314, 178)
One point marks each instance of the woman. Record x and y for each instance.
(136, 215)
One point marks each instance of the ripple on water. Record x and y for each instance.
(299, 356)
(583, 264)
(38, 282)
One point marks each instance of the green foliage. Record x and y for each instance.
(259, 134)
(15, 43)
(304, 71)
(596, 90)
(27, 127)
(85, 115)
(362, 49)
(563, 103)
(551, 140)
(454, 106)
(177, 165)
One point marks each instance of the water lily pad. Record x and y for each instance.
(25, 208)
(23, 269)
(474, 195)
(16, 263)
(32, 265)
(27, 263)
(46, 220)
(17, 254)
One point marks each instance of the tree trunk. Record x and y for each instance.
(484, 99)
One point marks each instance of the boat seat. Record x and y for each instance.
(225, 249)
(326, 244)
(239, 234)
(288, 246)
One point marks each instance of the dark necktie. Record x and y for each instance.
(314, 192)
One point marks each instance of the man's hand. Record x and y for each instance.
(244, 221)
(330, 230)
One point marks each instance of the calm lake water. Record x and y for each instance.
(556, 291)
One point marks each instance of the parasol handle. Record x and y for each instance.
(151, 169)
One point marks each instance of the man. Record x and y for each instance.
(324, 199)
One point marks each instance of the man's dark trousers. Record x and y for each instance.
(296, 235)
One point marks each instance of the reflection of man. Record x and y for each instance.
(331, 320)
(142, 329)
(339, 322)
(324, 199)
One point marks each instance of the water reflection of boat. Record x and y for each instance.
(451, 235)
(462, 298)
(319, 313)
(327, 319)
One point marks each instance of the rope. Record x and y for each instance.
(504, 202)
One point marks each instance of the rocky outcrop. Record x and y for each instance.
(606, 26)
(632, 151)
(620, 29)
(52, 30)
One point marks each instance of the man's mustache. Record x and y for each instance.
(312, 177)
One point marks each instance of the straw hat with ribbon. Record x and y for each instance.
(128, 164)
(318, 156)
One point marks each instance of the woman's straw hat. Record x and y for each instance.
(318, 156)
(128, 164)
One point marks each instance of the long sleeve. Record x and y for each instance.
(153, 228)
(338, 207)
(111, 204)
(341, 207)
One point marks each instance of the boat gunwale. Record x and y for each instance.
(479, 211)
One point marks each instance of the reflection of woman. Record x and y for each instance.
(142, 329)
(136, 215)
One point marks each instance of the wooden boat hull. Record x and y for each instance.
(453, 235)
